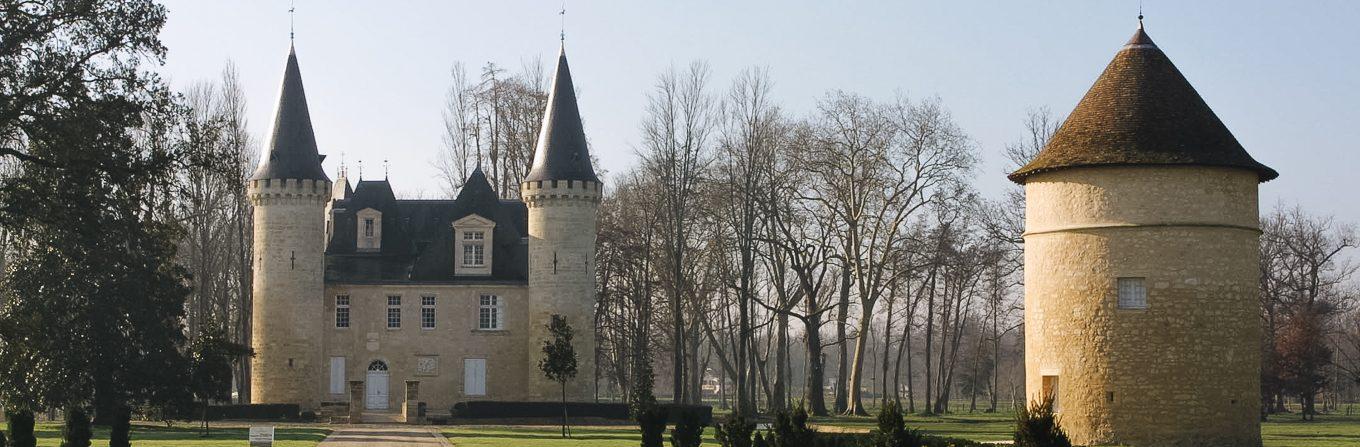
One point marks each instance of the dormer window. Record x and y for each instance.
(472, 237)
(474, 248)
(370, 230)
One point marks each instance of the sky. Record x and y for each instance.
(1283, 76)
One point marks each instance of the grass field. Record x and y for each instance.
(1281, 431)
(233, 435)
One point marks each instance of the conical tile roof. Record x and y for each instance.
(1142, 111)
(561, 153)
(292, 150)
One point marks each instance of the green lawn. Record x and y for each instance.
(1281, 431)
(233, 435)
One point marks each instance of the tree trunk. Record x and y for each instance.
(843, 366)
(778, 397)
(857, 367)
(816, 371)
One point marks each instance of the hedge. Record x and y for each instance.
(619, 411)
(255, 412)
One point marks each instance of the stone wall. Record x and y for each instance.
(562, 228)
(289, 233)
(456, 337)
(1183, 371)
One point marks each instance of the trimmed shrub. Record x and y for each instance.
(120, 433)
(652, 421)
(77, 431)
(735, 431)
(689, 429)
(677, 411)
(21, 428)
(253, 412)
(1037, 426)
(506, 410)
(892, 429)
(791, 430)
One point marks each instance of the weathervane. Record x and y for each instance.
(291, 9)
(384, 169)
(563, 14)
(1140, 14)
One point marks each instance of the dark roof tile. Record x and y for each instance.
(1142, 111)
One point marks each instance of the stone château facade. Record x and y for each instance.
(1141, 265)
(358, 291)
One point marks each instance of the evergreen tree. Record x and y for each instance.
(20, 428)
(211, 354)
(92, 298)
(120, 434)
(77, 431)
(1037, 426)
(559, 360)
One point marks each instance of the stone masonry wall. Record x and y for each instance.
(289, 233)
(1185, 370)
(455, 338)
(562, 226)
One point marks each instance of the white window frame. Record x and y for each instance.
(474, 248)
(368, 238)
(473, 245)
(490, 312)
(427, 312)
(342, 311)
(394, 311)
(1132, 293)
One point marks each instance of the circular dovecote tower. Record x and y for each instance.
(289, 191)
(1141, 265)
(562, 194)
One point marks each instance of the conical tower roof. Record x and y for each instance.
(561, 153)
(292, 147)
(1142, 111)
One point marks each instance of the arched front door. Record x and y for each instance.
(376, 385)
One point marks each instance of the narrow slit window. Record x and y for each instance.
(1132, 293)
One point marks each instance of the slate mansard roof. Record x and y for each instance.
(1142, 111)
(292, 150)
(418, 239)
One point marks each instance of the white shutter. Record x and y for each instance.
(474, 377)
(337, 375)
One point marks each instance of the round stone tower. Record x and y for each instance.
(563, 195)
(289, 191)
(1141, 265)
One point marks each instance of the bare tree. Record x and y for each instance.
(675, 137)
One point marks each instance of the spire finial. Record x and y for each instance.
(361, 170)
(1140, 15)
(291, 10)
(384, 169)
(563, 14)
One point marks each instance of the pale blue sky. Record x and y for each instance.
(1284, 76)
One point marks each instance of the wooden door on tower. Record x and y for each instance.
(376, 386)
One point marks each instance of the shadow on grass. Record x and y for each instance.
(191, 433)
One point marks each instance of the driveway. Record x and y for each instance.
(376, 436)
